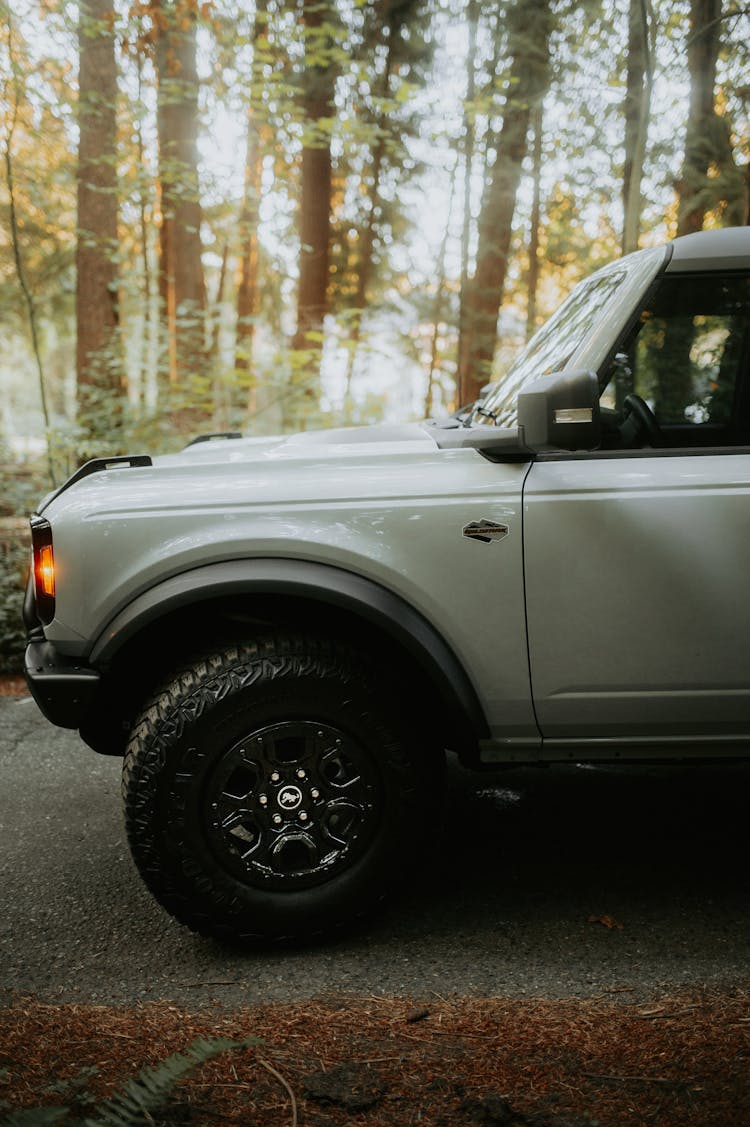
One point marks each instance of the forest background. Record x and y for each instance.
(226, 215)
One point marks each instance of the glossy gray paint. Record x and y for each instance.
(610, 619)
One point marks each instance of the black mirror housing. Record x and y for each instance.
(561, 412)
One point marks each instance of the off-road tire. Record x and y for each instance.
(293, 750)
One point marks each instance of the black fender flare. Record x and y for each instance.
(320, 583)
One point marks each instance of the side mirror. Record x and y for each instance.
(561, 412)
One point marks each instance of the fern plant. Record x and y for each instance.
(137, 1101)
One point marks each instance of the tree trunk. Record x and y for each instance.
(393, 20)
(13, 89)
(703, 50)
(181, 279)
(711, 179)
(536, 221)
(145, 218)
(639, 83)
(319, 83)
(98, 348)
(530, 25)
(213, 343)
(472, 15)
(439, 307)
(247, 291)
(224, 397)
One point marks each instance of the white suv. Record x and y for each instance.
(282, 635)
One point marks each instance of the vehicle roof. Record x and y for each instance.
(726, 248)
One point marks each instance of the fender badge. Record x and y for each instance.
(485, 530)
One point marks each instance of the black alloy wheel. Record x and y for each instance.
(272, 791)
(291, 804)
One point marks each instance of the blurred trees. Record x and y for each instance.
(526, 38)
(317, 80)
(283, 213)
(182, 288)
(391, 62)
(37, 234)
(249, 218)
(639, 83)
(99, 365)
(710, 180)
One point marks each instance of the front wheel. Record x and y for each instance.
(269, 791)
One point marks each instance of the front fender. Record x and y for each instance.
(321, 584)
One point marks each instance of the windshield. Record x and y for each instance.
(554, 345)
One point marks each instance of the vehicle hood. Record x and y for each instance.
(316, 445)
(313, 463)
(325, 465)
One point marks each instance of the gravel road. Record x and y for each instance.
(522, 875)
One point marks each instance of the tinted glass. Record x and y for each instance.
(551, 348)
(688, 354)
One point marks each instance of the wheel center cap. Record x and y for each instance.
(289, 798)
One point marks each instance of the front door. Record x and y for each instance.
(638, 556)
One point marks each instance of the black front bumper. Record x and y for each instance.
(63, 688)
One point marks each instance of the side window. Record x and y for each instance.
(685, 361)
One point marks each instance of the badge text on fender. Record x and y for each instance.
(485, 530)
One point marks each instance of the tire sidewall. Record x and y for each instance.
(172, 845)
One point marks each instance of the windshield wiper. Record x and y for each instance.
(480, 410)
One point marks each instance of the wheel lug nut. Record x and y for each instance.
(275, 777)
(303, 816)
(277, 819)
(315, 793)
(263, 800)
(301, 774)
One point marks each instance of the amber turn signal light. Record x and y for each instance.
(44, 568)
(45, 571)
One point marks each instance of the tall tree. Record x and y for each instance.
(318, 84)
(11, 94)
(181, 280)
(387, 52)
(532, 285)
(639, 85)
(529, 29)
(247, 290)
(438, 309)
(144, 203)
(469, 140)
(703, 52)
(710, 179)
(98, 353)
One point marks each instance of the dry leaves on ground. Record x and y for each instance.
(12, 685)
(386, 1062)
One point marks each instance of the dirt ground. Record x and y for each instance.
(12, 686)
(682, 1059)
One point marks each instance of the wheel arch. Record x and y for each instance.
(295, 594)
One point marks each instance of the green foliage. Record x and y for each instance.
(21, 487)
(140, 1099)
(34, 121)
(14, 565)
(142, 1096)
